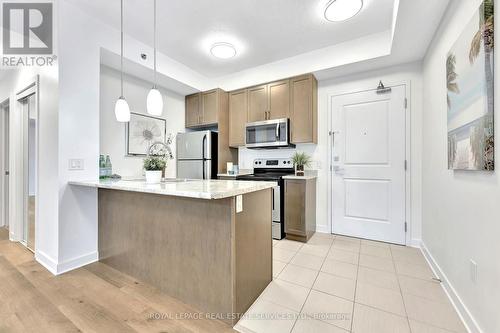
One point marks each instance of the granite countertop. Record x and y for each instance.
(241, 173)
(191, 188)
(307, 176)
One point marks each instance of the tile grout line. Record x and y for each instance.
(310, 289)
(400, 290)
(355, 289)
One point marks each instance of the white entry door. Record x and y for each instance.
(368, 159)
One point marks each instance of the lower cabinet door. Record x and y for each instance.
(295, 207)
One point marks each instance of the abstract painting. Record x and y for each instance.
(142, 131)
(469, 78)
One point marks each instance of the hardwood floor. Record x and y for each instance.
(4, 234)
(95, 298)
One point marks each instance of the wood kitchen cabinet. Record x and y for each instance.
(304, 109)
(269, 101)
(300, 208)
(211, 108)
(202, 109)
(257, 103)
(193, 106)
(295, 98)
(210, 101)
(238, 110)
(278, 99)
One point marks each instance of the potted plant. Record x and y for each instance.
(154, 165)
(300, 160)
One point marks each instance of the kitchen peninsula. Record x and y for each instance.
(193, 239)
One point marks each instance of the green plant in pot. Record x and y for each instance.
(154, 166)
(300, 161)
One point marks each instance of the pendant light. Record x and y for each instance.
(122, 110)
(154, 102)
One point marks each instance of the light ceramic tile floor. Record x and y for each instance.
(338, 284)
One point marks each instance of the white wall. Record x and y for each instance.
(460, 209)
(112, 133)
(410, 74)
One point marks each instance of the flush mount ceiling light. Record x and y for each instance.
(154, 101)
(341, 10)
(223, 50)
(122, 110)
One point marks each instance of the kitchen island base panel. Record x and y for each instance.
(199, 251)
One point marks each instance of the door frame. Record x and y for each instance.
(408, 173)
(3, 125)
(17, 160)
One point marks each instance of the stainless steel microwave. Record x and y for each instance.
(268, 134)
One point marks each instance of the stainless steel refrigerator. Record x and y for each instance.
(197, 155)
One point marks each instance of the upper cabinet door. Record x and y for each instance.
(210, 107)
(238, 108)
(304, 109)
(257, 103)
(193, 106)
(279, 99)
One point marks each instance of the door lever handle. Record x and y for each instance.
(338, 170)
(7, 173)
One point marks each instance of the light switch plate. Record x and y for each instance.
(239, 203)
(75, 164)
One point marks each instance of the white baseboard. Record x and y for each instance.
(66, 266)
(46, 261)
(462, 310)
(77, 262)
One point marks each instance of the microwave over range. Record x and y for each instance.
(268, 134)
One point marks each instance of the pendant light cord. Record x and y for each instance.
(154, 42)
(121, 47)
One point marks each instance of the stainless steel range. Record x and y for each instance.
(273, 170)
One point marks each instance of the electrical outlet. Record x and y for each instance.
(75, 164)
(473, 271)
(239, 203)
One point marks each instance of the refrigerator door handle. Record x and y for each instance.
(203, 144)
(203, 154)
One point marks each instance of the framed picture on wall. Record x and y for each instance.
(470, 88)
(142, 131)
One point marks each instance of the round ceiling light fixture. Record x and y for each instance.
(223, 50)
(341, 10)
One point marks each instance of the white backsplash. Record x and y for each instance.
(247, 156)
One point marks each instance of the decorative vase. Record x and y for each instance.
(153, 177)
(299, 170)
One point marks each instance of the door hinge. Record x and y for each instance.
(406, 226)
(406, 165)
(406, 103)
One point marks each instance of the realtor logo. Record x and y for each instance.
(27, 28)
